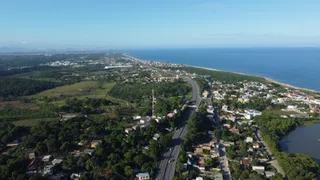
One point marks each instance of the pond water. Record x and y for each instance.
(304, 140)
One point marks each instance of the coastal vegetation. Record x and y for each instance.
(295, 166)
(228, 77)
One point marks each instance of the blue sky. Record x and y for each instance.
(159, 24)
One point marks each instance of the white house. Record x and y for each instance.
(127, 130)
(258, 168)
(156, 136)
(136, 117)
(291, 107)
(250, 113)
(249, 140)
(256, 145)
(46, 158)
(143, 176)
(269, 174)
(75, 175)
(57, 161)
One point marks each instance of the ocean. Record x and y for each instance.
(295, 66)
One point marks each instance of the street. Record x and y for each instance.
(166, 168)
(273, 161)
(224, 163)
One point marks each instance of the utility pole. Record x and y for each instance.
(153, 105)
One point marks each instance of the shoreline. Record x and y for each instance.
(266, 78)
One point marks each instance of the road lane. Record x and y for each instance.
(166, 169)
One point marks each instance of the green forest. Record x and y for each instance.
(224, 76)
(295, 166)
(13, 87)
(136, 92)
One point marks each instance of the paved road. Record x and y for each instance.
(166, 169)
(274, 162)
(224, 164)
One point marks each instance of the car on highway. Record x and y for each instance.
(171, 160)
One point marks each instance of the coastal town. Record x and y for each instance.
(147, 124)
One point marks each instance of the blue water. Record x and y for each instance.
(296, 66)
(303, 140)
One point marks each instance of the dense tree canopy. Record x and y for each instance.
(296, 166)
(228, 77)
(135, 92)
(22, 87)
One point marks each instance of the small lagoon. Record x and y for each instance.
(304, 140)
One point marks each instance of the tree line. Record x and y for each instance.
(295, 166)
(224, 76)
(13, 87)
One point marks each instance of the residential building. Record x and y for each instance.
(47, 158)
(227, 144)
(88, 151)
(76, 176)
(143, 176)
(259, 169)
(95, 143)
(57, 161)
(256, 145)
(156, 136)
(83, 143)
(249, 140)
(31, 155)
(269, 174)
(127, 130)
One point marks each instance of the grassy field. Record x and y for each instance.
(32, 122)
(69, 90)
(279, 112)
(73, 90)
(309, 123)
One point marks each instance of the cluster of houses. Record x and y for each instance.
(300, 103)
(62, 63)
(233, 115)
(256, 153)
(44, 165)
(206, 152)
(156, 76)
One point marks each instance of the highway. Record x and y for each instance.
(166, 168)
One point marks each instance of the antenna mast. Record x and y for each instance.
(153, 105)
